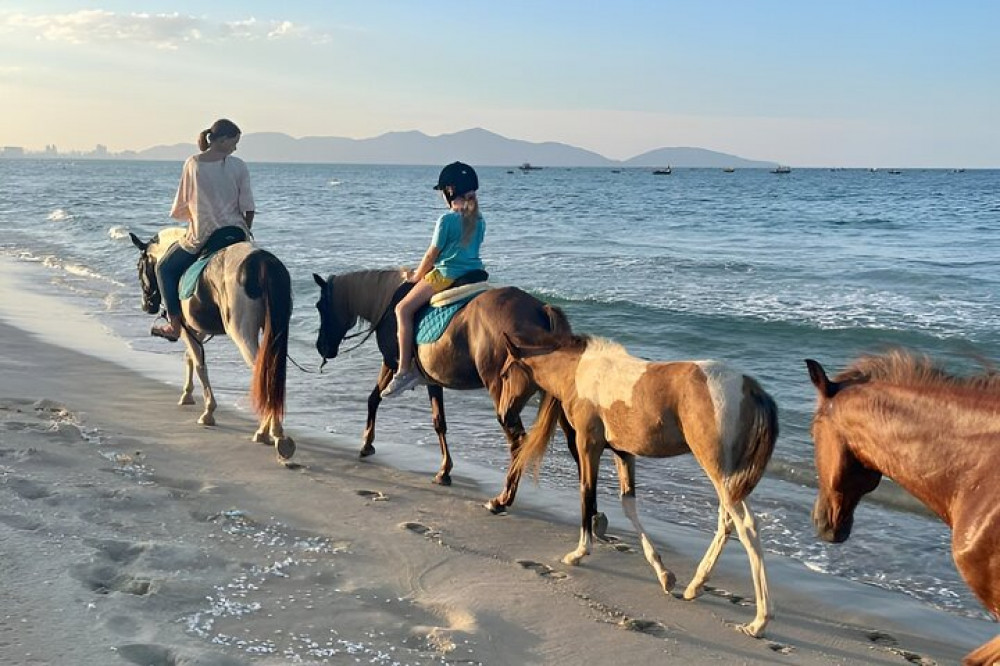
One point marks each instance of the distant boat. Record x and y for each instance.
(782, 169)
(728, 170)
(527, 167)
(663, 172)
(616, 171)
(895, 172)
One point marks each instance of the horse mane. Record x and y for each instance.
(899, 366)
(164, 238)
(597, 345)
(368, 293)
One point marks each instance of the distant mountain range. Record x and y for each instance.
(475, 146)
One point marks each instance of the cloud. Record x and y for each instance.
(162, 31)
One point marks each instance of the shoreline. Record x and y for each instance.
(516, 613)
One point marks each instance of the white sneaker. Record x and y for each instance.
(401, 382)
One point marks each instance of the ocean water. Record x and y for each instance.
(758, 269)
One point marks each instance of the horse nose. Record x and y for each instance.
(826, 531)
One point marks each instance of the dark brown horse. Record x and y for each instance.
(467, 356)
(642, 408)
(242, 291)
(936, 435)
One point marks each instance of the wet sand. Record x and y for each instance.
(131, 535)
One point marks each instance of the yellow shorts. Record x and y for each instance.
(437, 281)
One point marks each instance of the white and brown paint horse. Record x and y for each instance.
(242, 292)
(934, 434)
(642, 408)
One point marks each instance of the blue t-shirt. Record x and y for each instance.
(456, 259)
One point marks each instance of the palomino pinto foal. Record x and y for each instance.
(641, 408)
(937, 436)
(243, 292)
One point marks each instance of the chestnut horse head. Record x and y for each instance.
(936, 435)
(843, 479)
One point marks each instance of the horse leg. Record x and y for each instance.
(243, 332)
(625, 463)
(746, 527)
(704, 571)
(186, 397)
(986, 654)
(977, 560)
(374, 400)
(197, 354)
(590, 461)
(513, 428)
(436, 395)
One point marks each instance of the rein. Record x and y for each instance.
(368, 333)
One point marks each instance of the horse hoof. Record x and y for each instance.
(693, 592)
(572, 559)
(600, 526)
(667, 581)
(367, 450)
(207, 420)
(495, 507)
(751, 630)
(442, 480)
(186, 400)
(285, 448)
(261, 438)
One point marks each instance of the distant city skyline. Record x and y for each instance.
(843, 84)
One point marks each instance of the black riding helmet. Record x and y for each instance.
(460, 177)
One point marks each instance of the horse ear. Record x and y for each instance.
(138, 243)
(319, 280)
(512, 348)
(819, 379)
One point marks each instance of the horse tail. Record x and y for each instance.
(536, 441)
(264, 276)
(757, 441)
(558, 323)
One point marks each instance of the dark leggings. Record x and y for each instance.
(169, 269)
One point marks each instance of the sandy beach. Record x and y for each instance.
(131, 535)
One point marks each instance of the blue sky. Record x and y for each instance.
(809, 84)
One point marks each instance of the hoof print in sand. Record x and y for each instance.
(881, 638)
(28, 490)
(419, 528)
(148, 654)
(889, 643)
(543, 570)
(728, 596)
(18, 522)
(103, 579)
(375, 495)
(649, 627)
(780, 648)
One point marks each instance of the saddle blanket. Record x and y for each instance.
(219, 240)
(432, 320)
(189, 280)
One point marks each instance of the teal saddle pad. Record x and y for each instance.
(431, 321)
(189, 281)
(219, 240)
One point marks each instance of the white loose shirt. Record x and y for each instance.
(211, 195)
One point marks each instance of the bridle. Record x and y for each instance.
(151, 297)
